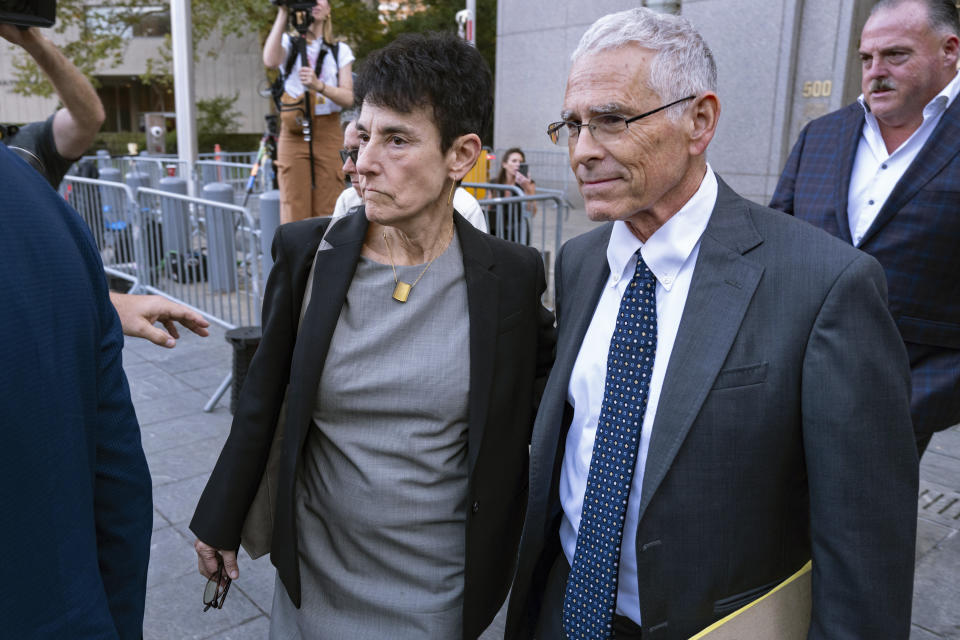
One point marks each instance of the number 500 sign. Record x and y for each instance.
(817, 88)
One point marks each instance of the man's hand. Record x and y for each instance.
(15, 35)
(207, 560)
(139, 313)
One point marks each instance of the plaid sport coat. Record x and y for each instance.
(916, 237)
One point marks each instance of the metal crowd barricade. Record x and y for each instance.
(511, 218)
(157, 167)
(504, 215)
(236, 174)
(206, 255)
(110, 210)
(241, 157)
(201, 253)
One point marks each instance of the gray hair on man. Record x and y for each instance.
(684, 64)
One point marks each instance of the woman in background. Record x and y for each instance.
(514, 171)
(329, 80)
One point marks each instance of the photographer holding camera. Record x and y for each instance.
(322, 85)
(51, 146)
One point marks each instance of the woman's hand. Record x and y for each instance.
(529, 187)
(207, 560)
(309, 80)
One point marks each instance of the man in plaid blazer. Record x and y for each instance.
(884, 174)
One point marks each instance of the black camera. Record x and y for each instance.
(28, 13)
(293, 5)
(8, 131)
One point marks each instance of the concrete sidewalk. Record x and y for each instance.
(169, 389)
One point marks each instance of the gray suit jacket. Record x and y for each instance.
(783, 432)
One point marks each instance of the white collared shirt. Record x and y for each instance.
(671, 254)
(876, 172)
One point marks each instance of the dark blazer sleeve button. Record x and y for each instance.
(476, 507)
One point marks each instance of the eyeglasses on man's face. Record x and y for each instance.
(603, 128)
(353, 153)
(215, 593)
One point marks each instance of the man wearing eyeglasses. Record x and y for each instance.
(352, 196)
(730, 395)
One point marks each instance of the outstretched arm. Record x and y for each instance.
(77, 123)
(139, 313)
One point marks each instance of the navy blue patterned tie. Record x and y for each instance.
(591, 595)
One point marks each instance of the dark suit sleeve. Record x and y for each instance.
(123, 503)
(861, 462)
(557, 282)
(546, 338)
(234, 481)
(786, 187)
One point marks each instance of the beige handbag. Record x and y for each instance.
(256, 536)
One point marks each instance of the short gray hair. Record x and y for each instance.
(683, 65)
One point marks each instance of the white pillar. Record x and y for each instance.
(181, 26)
(472, 30)
(467, 22)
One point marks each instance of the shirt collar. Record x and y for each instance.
(935, 107)
(666, 251)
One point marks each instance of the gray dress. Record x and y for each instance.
(382, 491)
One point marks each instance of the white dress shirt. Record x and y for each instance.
(876, 172)
(671, 254)
(463, 202)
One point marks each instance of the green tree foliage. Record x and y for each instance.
(440, 15)
(97, 42)
(91, 45)
(217, 115)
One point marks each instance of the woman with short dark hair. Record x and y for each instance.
(411, 386)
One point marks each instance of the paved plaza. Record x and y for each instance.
(169, 389)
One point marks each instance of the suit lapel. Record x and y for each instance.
(483, 302)
(334, 266)
(720, 292)
(581, 291)
(939, 149)
(851, 128)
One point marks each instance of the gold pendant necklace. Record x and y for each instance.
(402, 291)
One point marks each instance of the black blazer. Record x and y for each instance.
(511, 349)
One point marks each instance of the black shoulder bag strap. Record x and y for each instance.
(335, 50)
